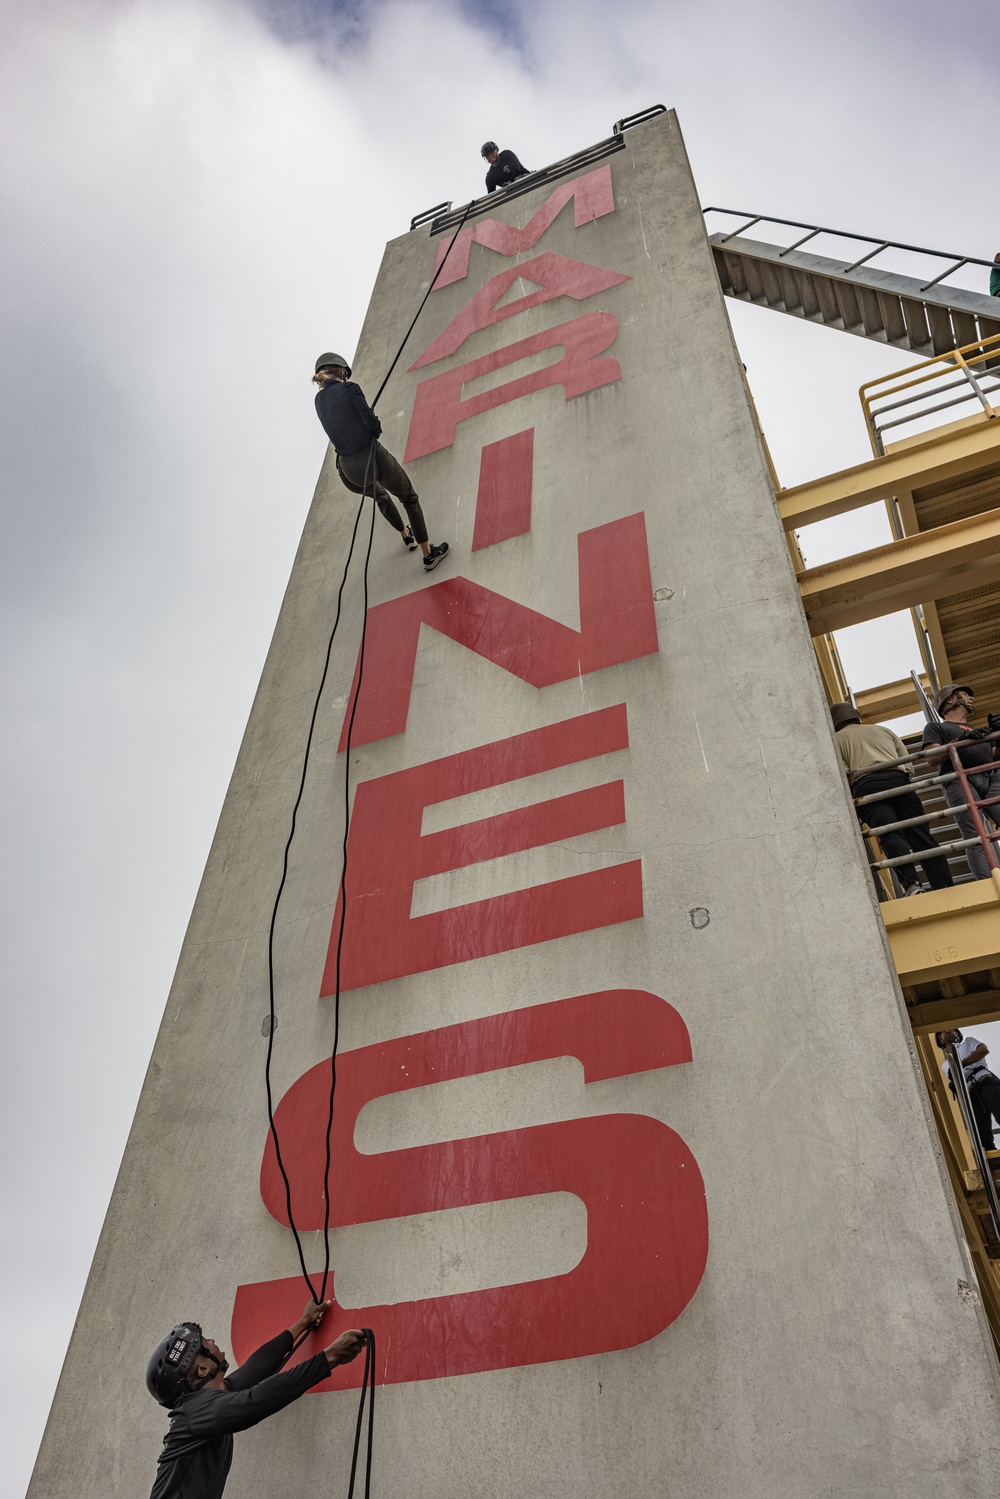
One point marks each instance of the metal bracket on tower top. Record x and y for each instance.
(637, 119)
(429, 213)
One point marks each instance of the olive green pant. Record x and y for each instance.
(382, 477)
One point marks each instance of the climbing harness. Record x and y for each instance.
(371, 467)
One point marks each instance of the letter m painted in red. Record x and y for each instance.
(593, 196)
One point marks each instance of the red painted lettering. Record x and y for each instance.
(593, 196)
(387, 855)
(617, 623)
(647, 1224)
(439, 407)
(503, 504)
(554, 275)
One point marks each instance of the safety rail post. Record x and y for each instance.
(981, 358)
(961, 775)
(967, 372)
(957, 1078)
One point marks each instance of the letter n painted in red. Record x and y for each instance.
(617, 623)
(647, 1224)
(386, 855)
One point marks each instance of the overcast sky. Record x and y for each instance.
(196, 196)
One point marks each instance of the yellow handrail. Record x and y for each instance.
(970, 361)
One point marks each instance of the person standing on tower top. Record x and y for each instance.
(504, 167)
(186, 1373)
(364, 465)
(995, 277)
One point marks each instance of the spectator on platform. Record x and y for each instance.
(504, 167)
(995, 277)
(983, 1085)
(867, 751)
(956, 704)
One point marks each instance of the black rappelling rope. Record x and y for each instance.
(367, 1388)
(368, 1384)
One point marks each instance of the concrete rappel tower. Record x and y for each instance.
(633, 1173)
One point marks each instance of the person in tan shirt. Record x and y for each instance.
(867, 752)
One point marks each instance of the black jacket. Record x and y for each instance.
(503, 171)
(198, 1448)
(348, 420)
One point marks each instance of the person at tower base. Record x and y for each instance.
(867, 751)
(187, 1374)
(364, 465)
(504, 167)
(956, 705)
(983, 1085)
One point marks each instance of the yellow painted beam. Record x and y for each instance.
(945, 932)
(891, 700)
(931, 461)
(978, 1008)
(914, 570)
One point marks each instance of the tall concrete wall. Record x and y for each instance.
(599, 1263)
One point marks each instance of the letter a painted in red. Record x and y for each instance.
(554, 275)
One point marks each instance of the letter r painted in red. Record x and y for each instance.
(438, 406)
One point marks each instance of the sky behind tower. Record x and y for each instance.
(196, 194)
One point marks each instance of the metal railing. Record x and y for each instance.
(973, 371)
(956, 1075)
(812, 230)
(446, 216)
(973, 805)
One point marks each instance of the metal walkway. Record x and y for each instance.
(917, 312)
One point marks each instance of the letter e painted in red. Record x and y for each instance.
(386, 856)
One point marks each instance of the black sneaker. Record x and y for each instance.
(435, 555)
(410, 542)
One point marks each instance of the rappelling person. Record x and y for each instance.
(187, 1374)
(504, 167)
(365, 466)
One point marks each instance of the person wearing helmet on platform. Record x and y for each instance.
(995, 277)
(504, 166)
(956, 704)
(364, 465)
(867, 752)
(187, 1374)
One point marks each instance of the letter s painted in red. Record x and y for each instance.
(647, 1225)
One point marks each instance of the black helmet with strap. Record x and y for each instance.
(334, 361)
(172, 1361)
(488, 146)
